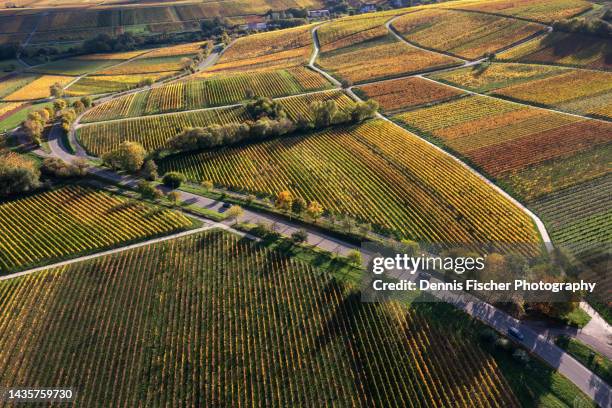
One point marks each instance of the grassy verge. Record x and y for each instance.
(338, 266)
(576, 318)
(14, 120)
(322, 225)
(534, 382)
(591, 359)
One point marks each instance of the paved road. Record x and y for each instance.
(539, 344)
(578, 374)
(315, 237)
(537, 221)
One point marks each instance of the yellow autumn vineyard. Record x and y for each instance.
(74, 220)
(279, 315)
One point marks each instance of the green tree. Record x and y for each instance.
(149, 170)
(148, 191)
(86, 101)
(173, 179)
(354, 257)
(298, 206)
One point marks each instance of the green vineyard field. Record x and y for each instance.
(208, 329)
(373, 172)
(205, 93)
(72, 221)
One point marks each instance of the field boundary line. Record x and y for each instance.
(538, 223)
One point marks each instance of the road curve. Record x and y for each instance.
(538, 223)
(590, 384)
(583, 378)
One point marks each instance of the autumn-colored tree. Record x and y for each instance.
(284, 200)
(207, 185)
(173, 196)
(314, 210)
(56, 90)
(235, 212)
(129, 156)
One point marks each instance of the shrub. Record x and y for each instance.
(148, 190)
(299, 236)
(54, 166)
(173, 179)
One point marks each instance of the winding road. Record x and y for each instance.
(538, 343)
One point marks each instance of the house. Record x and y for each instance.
(368, 8)
(318, 13)
(254, 23)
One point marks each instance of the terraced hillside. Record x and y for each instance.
(374, 172)
(152, 132)
(150, 318)
(74, 220)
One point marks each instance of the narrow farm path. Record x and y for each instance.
(589, 383)
(538, 223)
(583, 378)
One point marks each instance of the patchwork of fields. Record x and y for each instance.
(362, 49)
(540, 156)
(374, 172)
(540, 10)
(463, 34)
(313, 333)
(266, 51)
(76, 22)
(215, 318)
(152, 132)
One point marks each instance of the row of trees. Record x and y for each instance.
(271, 121)
(595, 27)
(34, 125)
(20, 175)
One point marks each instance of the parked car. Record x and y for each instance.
(516, 333)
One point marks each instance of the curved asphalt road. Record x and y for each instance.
(588, 382)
